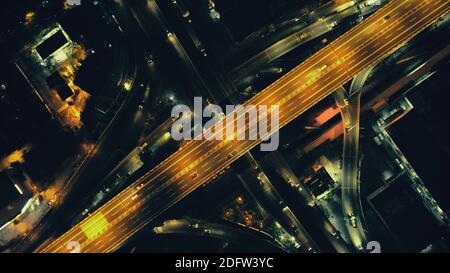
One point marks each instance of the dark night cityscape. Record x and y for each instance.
(224, 126)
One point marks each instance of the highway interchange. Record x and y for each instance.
(198, 161)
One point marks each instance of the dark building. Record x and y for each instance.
(7, 191)
(11, 200)
(56, 82)
(319, 182)
(400, 208)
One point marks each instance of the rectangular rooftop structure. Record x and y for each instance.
(51, 44)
